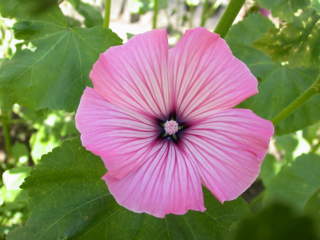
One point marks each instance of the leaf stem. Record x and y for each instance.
(107, 13)
(312, 90)
(155, 14)
(228, 17)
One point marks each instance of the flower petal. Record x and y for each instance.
(167, 183)
(229, 147)
(119, 136)
(206, 75)
(135, 75)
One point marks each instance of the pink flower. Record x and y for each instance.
(163, 123)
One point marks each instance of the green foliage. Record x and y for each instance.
(296, 183)
(312, 209)
(31, 9)
(277, 222)
(12, 199)
(55, 127)
(91, 14)
(46, 72)
(316, 5)
(279, 85)
(284, 9)
(56, 72)
(12, 196)
(143, 6)
(297, 43)
(68, 200)
(269, 169)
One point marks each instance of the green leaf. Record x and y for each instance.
(13, 178)
(312, 209)
(11, 193)
(316, 5)
(20, 153)
(55, 74)
(259, 63)
(50, 133)
(276, 222)
(269, 169)
(31, 30)
(32, 9)
(286, 145)
(92, 15)
(284, 9)
(278, 89)
(296, 43)
(312, 134)
(68, 200)
(295, 184)
(279, 85)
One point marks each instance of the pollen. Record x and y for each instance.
(171, 127)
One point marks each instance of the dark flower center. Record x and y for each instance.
(171, 128)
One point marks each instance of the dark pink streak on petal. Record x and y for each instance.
(167, 183)
(119, 136)
(135, 76)
(229, 147)
(206, 75)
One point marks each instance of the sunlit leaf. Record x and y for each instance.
(296, 43)
(312, 136)
(51, 132)
(11, 193)
(285, 9)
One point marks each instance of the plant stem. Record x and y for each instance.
(5, 120)
(228, 17)
(312, 90)
(155, 13)
(204, 13)
(107, 13)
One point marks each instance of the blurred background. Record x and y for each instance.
(26, 135)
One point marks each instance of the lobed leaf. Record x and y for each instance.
(68, 200)
(55, 74)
